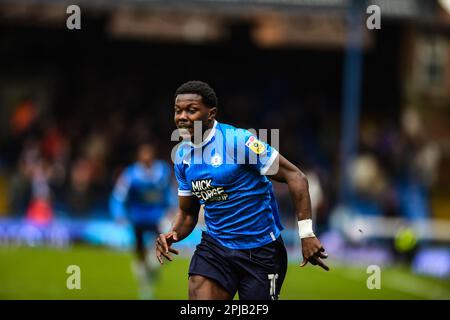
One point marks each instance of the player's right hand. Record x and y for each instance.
(163, 246)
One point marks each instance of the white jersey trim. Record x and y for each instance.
(269, 162)
(184, 193)
(207, 139)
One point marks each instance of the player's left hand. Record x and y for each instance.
(313, 252)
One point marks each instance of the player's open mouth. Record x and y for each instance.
(184, 127)
(186, 130)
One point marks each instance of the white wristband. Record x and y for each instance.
(305, 229)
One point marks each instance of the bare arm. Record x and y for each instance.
(297, 182)
(187, 217)
(185, 221)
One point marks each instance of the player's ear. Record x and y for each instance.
(212, 113)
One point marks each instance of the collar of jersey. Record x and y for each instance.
(207, 139)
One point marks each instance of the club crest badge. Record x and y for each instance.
(216, 160)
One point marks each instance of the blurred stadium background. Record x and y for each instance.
(364, 112)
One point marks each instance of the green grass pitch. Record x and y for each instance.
(40, 273)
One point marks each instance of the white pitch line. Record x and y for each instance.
(407, 284)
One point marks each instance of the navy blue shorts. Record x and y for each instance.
(256, 274)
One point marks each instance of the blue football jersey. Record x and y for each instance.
(226, 172)
(142, 194)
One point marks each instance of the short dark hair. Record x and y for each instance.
(201, 88)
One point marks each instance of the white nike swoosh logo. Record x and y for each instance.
(184, 161)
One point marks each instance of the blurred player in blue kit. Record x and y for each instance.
(227, 171)
(141, 198)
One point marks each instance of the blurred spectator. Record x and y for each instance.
(80, 193)
(23, 117)
(417, 159)
(40, 208)
(36, 171)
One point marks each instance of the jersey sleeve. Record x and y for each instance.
(257, 153)
(117, 202)
(183, 186)
(167, 185)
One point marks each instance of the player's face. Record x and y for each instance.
(189, 108)
(146, 154)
